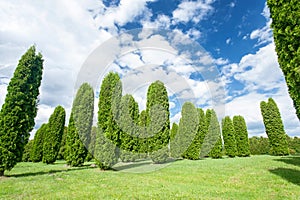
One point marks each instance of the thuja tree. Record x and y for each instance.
(143, 139)
(274, 128)
(158, 122)
(203, 127)
(228, 133)
(173, 133)
(212, 144)
(53, 136)
(80, 125)
(128, 122)
(188, 140)
(62, 149)
(106, 144)
(241, 136)
(27, 150)
(91, 146)
(286, 31)
(75, 149)
(19, 109)
(36, 153)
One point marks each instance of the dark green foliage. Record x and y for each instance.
(105, 153)
(286, 31)
(109, 100)
(128, 122)
(212, 144)
(143, 141)
(173, 133)
(36, 153)
(189, 128)
(259, 145)
(186, 139)
(241, 136)
(174, 130)
(19, 109)
(109, 110)
(75, 150)
(274, 128)
(62, 150)
(228, 133)
(91, 146)
(27, 150)
(53, 136)
(80, 125)
(294, 145)
(203, 127)
(158, 122)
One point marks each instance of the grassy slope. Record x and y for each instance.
(257, 177)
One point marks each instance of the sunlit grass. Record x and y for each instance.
(257, 177)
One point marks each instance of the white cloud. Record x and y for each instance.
(264, 34)
(193, 11)
(228, 40)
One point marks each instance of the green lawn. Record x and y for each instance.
(257, 177)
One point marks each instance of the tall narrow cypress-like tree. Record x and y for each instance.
(80, 125)
(158, 122)
(212, 145)
(241, 136)
(19, 109)
(128, 123)
(109, 99)
(36, 153)
(27, 150)
(62, 149)
(228, 133)
(53, 136)
(75, 149)
(274, 128)
(286, 31)
(91, 146)
(203, 128)
(143, 140)
(189, 139)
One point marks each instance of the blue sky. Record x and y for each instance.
(233, 37)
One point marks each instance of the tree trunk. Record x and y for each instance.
(1, 172)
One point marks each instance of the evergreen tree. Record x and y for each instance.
(128, 123)
(274, 128)
(53, 136)
(36, 153)
(143, 140)
(91, 146)
(109, 99)
(259, 145)
(174, 130)
(203, 127)
(27, 150)
(105, 153)
(186, 133)
(19, 109)
(285, 23)
(80, 125)
(62, 149)
(173, 133)
(212, 144)
(158, 122)
(75, 148)
(241, 136)
(228, 133)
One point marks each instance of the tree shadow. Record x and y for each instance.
(291, 175)
(130, 165)
(293, 160)
(48, 172)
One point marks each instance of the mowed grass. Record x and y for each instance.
(256, 177)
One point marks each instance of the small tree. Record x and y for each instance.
(203, 128)
(36, 153)
(19, 109)
(274, 128)
(228, 133)
(53, 136)
(27, 150)
(241, 136)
